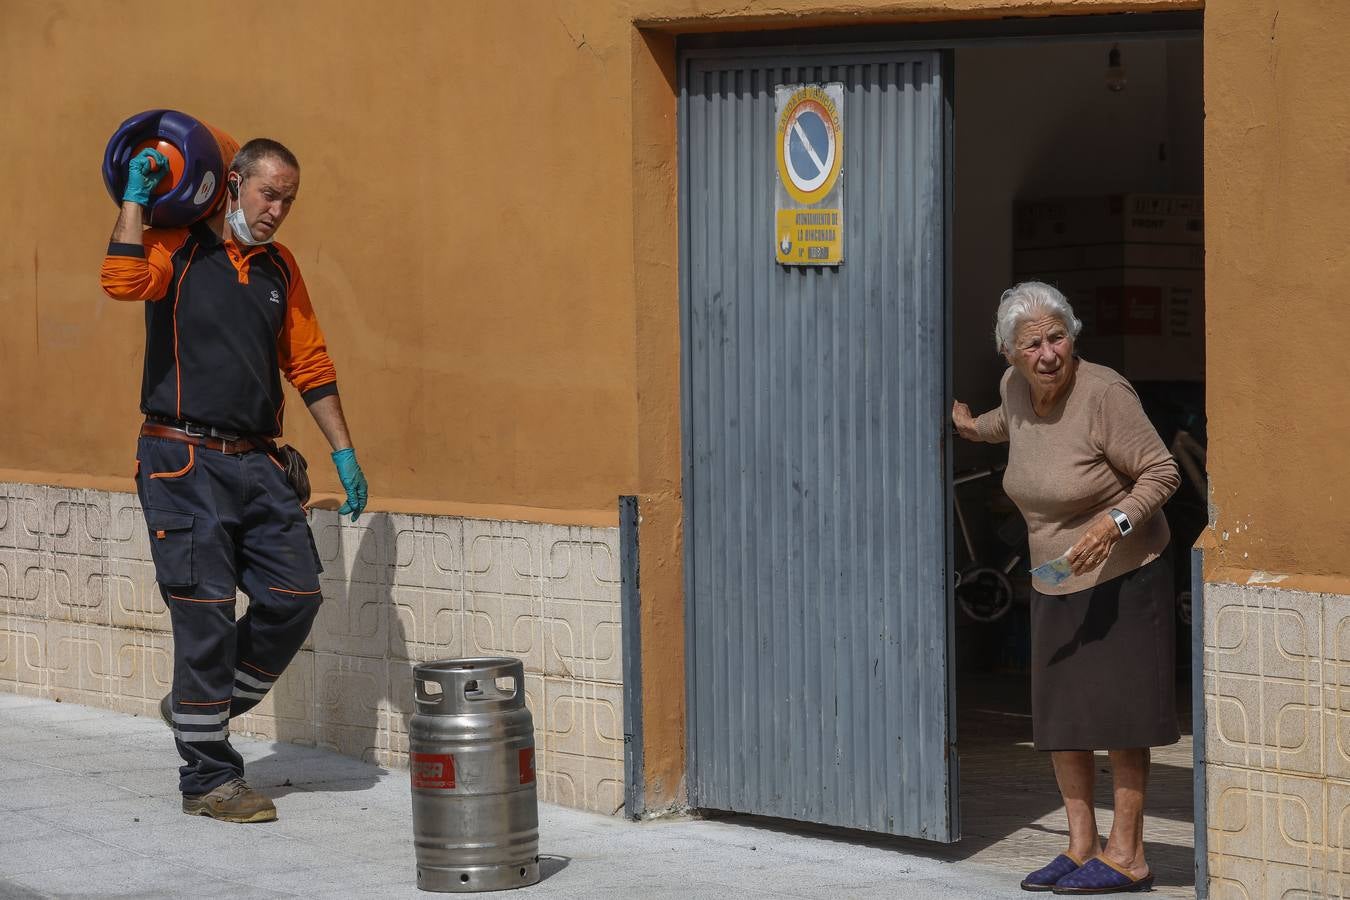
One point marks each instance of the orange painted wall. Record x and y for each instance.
(464, 224)
(1277, 169)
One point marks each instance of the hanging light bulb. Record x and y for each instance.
(1115, 70)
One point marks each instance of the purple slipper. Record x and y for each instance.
(1046, 878)
(1098, 876)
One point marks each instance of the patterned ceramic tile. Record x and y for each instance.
(293, 695)
(126, 533)
(7, 578)
(425, 624)
(24, 517)
(79, 657)
(350, 689)
(409, 549)
(353, 619)
(80, 521)
(80, 589)
(1297, 883)
(444, 547)
(30, 583)
(134, 599)
(1336, 747)
(580, 564)
(142, 663)
(584, 718)
(503, 558)
(1277, 634)
(581, 640)
(1260, 723)
(6, 535)
(505, 625)
(25, 585)
(23, 651)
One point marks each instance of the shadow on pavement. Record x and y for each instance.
(551, 864)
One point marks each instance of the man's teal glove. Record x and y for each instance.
(353, 481)
(143, 174)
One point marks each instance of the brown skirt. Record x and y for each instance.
(1103, 664)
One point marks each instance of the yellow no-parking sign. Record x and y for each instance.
(808, 201)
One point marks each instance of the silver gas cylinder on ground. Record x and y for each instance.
(471, 757)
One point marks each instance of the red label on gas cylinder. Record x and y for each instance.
(432, 770)
(527, 766)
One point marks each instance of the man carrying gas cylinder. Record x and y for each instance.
(227, 314)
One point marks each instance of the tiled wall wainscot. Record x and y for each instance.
(1277, 703)
(82, 619)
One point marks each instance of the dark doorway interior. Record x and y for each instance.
(1039, 128)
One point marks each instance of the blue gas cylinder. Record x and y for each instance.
(198, 156)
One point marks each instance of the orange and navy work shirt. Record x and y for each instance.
(222, 324)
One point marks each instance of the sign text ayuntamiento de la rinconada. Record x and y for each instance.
(808, 199)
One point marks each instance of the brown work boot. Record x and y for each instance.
(233, 801)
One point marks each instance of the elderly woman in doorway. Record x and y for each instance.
(1089, 474)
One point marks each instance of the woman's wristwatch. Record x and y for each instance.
(1122, 521)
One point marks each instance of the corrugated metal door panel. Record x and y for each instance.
(814, 412)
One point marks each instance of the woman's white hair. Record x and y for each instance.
(1026, 301)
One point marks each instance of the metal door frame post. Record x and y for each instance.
(630, 617)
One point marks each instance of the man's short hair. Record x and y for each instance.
(246, 161)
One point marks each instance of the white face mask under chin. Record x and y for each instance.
(239, 225)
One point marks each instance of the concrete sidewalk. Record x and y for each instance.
(89, 806)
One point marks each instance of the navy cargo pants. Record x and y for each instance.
(219, 521)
